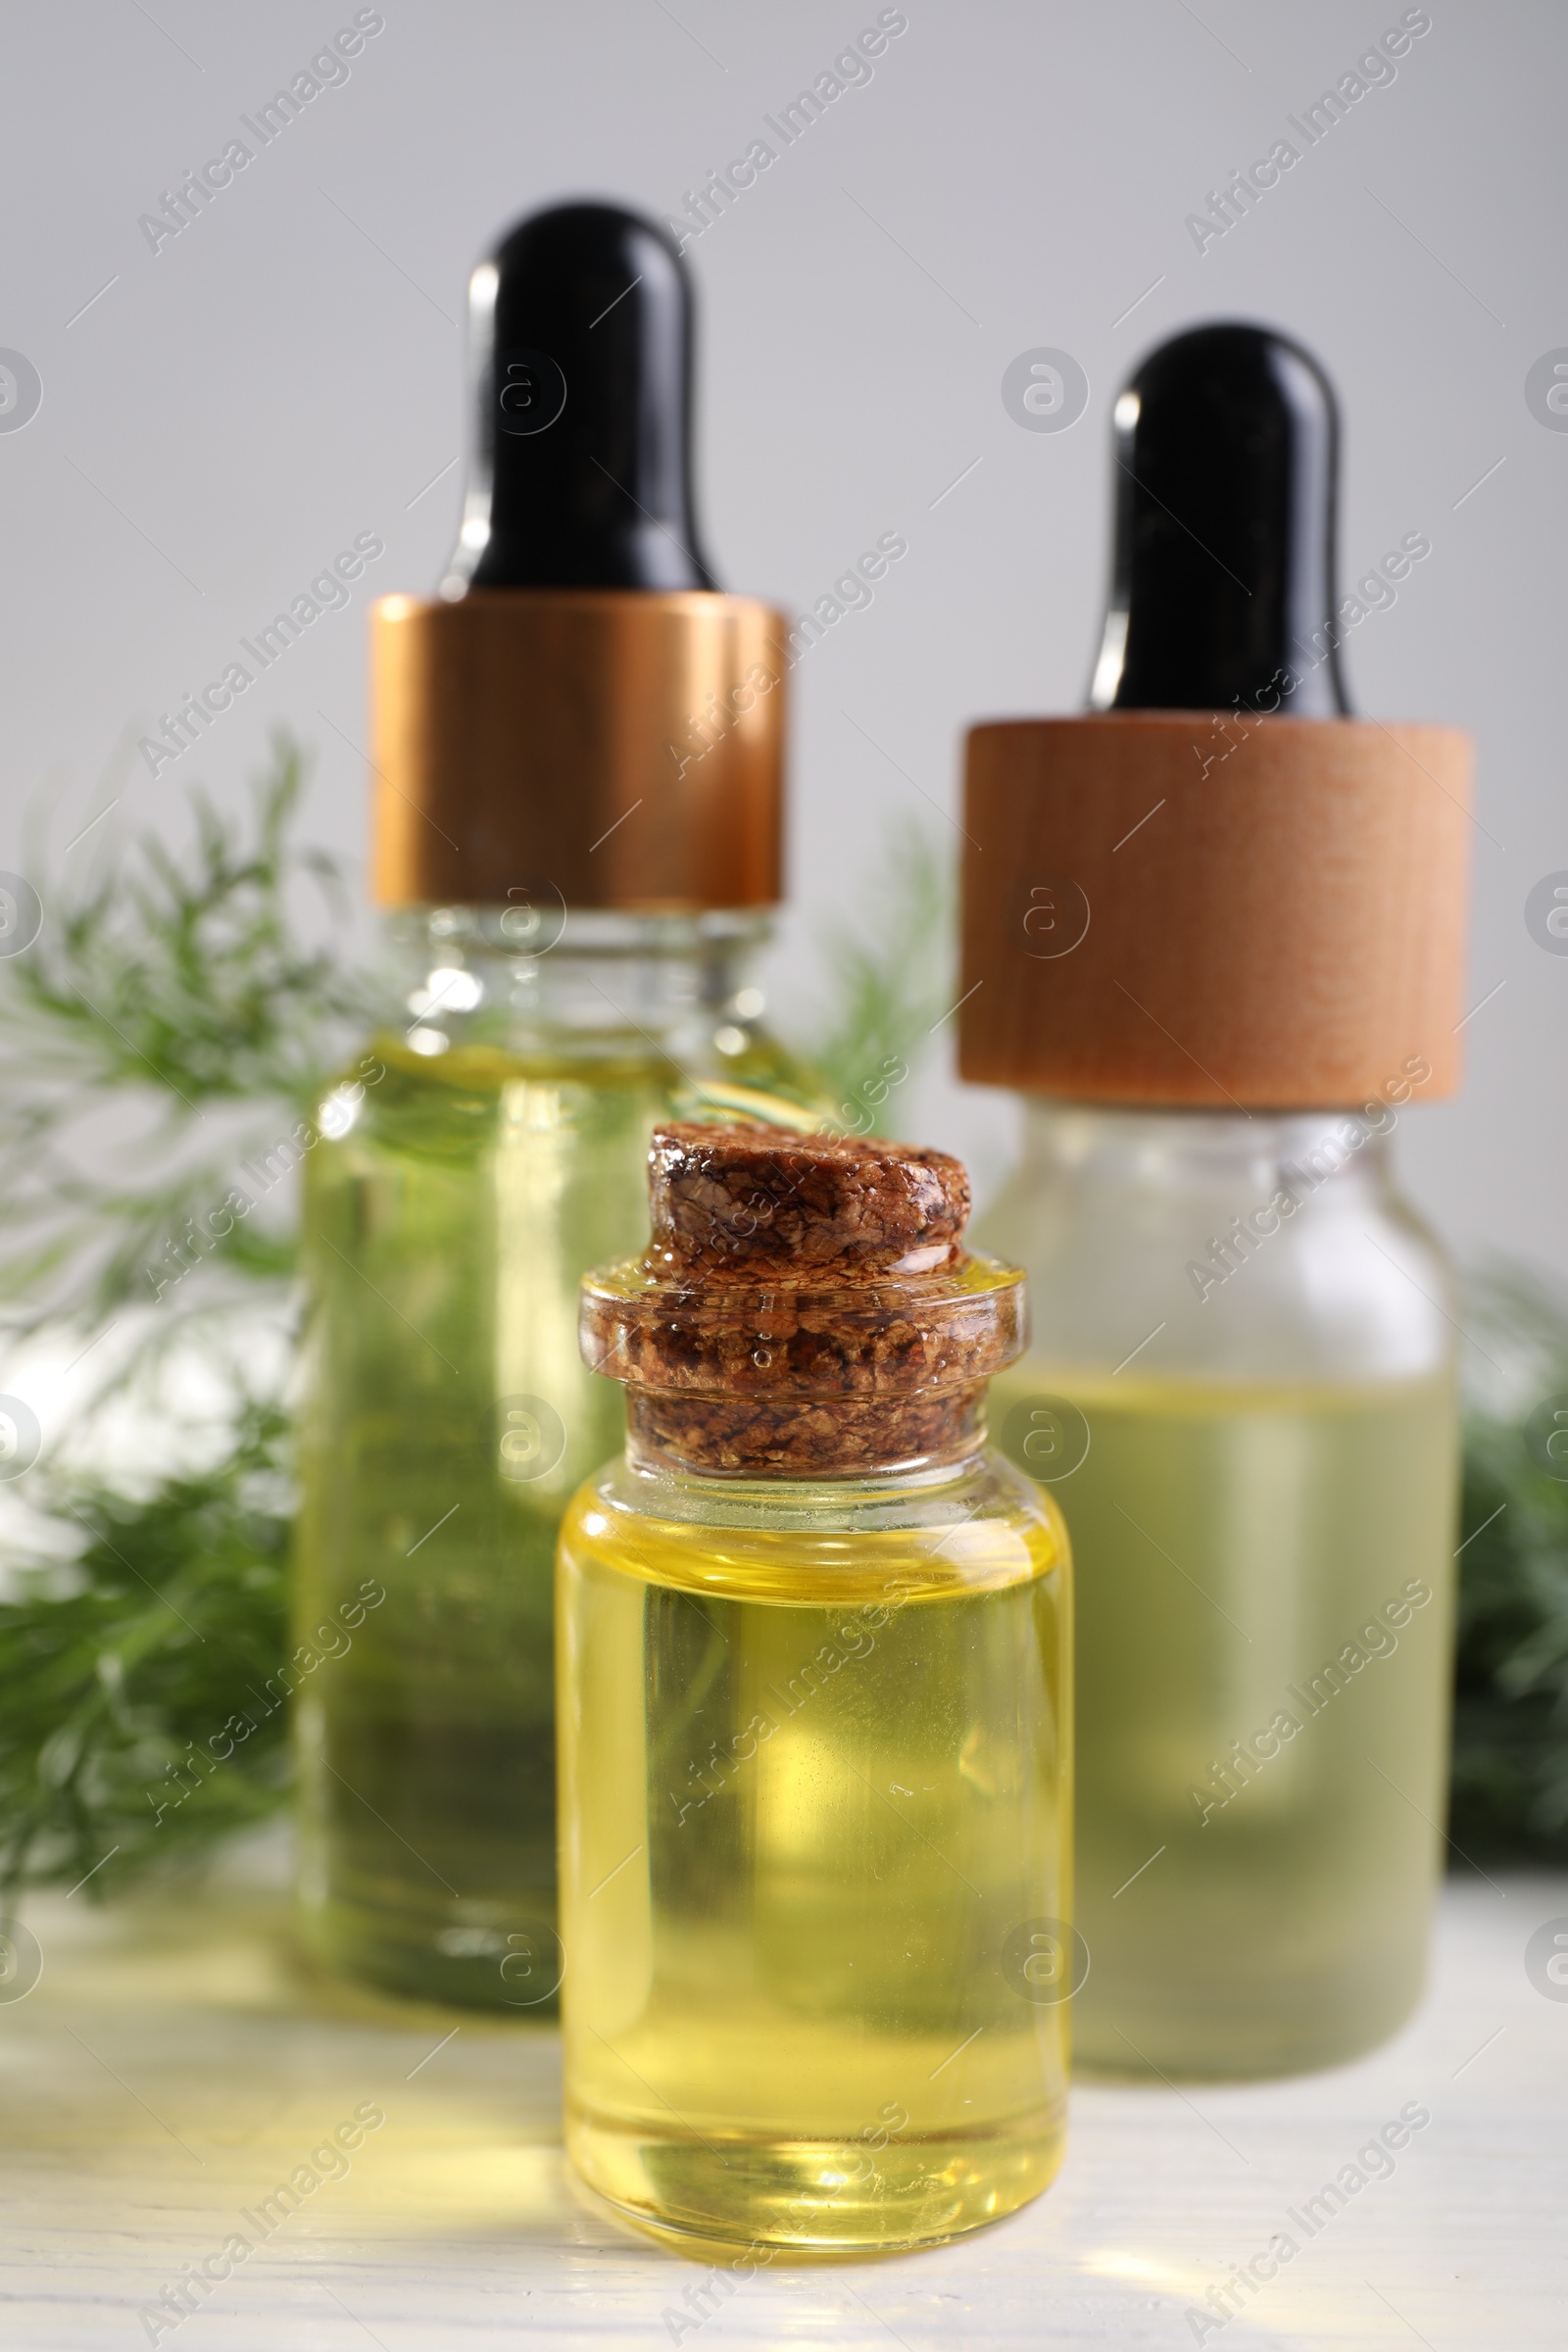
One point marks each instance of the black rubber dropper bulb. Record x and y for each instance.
(1227, 451)
(581, 328)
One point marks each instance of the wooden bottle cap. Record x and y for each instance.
(1161, 907)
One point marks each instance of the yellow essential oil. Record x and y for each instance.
(453, 1203)
(813, 1782)
(815, 1756)
(1264, 1657)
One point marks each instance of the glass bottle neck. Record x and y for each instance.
(1112, 1150)
(836, 1439)
(536, 974)
(674, 1491)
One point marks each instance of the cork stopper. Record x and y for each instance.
(804, 1307)
(752, 1200)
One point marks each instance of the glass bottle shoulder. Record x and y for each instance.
(923, 1536)
(655, 1013)
(752, 1076)
(1268, 1248)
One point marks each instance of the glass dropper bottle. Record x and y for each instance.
(1215, 938)
(579, 766)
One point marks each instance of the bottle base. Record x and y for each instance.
(474, 1955)
(1213, 2048)
(812, 2198)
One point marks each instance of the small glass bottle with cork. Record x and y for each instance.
(814, 1709)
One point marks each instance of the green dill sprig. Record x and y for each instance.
(1510, 1730)
(192, 976)
(178, 991)
(121, 1692)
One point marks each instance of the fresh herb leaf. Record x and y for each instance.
(136, 1725)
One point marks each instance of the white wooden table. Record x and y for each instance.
(173, 2066)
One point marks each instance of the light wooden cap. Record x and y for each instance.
(1161, 907)
(622, 745)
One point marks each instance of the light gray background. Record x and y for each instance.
(229, 413)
